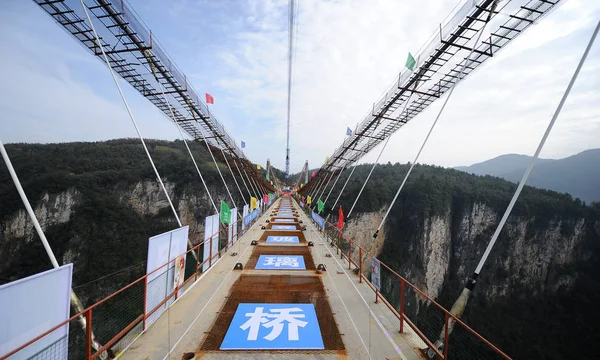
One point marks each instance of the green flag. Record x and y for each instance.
(320, 206)
(225, 213)
(410, 62)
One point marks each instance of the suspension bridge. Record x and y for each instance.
(272, 278)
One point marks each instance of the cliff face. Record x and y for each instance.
(445, 250)
(540, 273)
(62, 213)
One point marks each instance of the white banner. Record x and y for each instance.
(211, 227)
(33, 305)
(163, 248)
(244, 214)
(232, 233)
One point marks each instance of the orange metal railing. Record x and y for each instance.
(464, 342)
(133, 296)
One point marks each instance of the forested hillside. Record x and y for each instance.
(578, 175)
(100, 202)
(537, 295)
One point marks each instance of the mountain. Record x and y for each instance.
(578, 175)
(544, 269)
(99, 203)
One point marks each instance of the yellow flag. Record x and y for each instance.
(309, 200)
(258, 166)
(326, 159)
(252, 203)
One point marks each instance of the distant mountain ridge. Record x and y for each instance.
(578, 175)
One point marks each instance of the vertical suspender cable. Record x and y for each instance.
(233, 175)
(375, 164)
(537, 153)
(333, 186)
(326, 185)
(217, 166)
(459, 305)
(74, 298)
(343, 188)
(187, 147)
(242, 177)
(316, 186)
(131, 114)
(467, 59)
(252, 185)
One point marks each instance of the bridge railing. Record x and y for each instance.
(119, 318)
(414, 310)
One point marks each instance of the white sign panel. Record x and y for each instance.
(33, 305)
(211, 227)
(232, 234)
(162, 249)
(376, 274)
(244, 214)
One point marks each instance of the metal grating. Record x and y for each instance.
(137, 57)
(438, 65)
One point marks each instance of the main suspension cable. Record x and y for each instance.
(467, 60)
(130, 114)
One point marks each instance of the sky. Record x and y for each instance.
(347, 53)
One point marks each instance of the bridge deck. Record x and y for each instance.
(365, 327)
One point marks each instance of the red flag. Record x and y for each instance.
(341, 219)
(313, 174)
(209, 99)
(304, 199)
(266, 198)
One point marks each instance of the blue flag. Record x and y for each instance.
(243, 144)
(348, 131)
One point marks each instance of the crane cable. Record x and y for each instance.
(289, 87)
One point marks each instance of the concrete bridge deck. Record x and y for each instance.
(368, 330)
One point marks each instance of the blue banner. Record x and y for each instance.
(283, 220)
(280, 262)
(283, 239)
(319, 220)
(283, 227)
(273, 326)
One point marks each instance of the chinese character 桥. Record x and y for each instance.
(259, 318)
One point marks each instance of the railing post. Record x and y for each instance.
(446, 335)
(349, 254)
(401, 305)
(376, 295)
(145, 301)
(88, 334)
(359, 264)
(197, 263)
(210, 252)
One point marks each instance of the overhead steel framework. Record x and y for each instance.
(438, 65)
(136, 56)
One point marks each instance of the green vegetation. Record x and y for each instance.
(531, 320)
(104, 233)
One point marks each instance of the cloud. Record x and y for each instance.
(347, 53)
